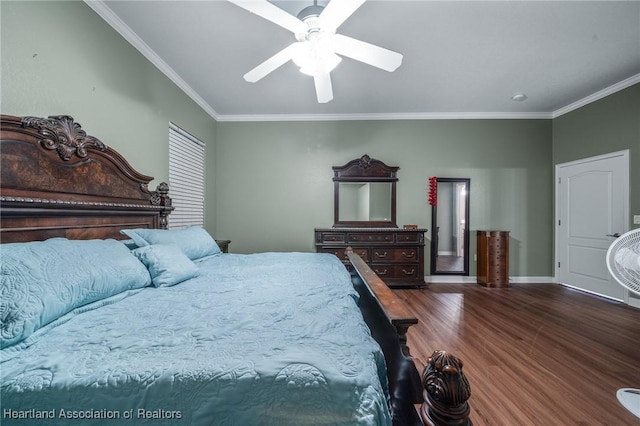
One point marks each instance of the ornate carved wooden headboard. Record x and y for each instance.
(56, 181)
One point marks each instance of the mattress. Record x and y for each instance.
(260, 339)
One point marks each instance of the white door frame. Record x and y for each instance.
(625, 189)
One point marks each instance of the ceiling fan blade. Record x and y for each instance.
(324, 90)
(338, 11)
(272, 63)
(272, 13)
(377, 56)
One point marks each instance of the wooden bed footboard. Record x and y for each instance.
(389, 322)
(443, 389)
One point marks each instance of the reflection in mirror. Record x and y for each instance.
(450, 228)
(365, 201)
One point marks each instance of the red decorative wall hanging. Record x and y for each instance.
(433, 191)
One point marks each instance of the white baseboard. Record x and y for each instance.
(533, 280)
(449, 279)
(472, 279)
(635, 302)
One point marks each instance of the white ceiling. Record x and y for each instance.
(462, 59)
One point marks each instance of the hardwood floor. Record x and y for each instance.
(534, 354)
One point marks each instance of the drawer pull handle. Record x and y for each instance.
(411, 272)
(381, 272)
(381, 255)
(409, 255)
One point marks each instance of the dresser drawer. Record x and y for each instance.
(340, 252)
(398, 272)
(387, 254)
(370, 238)
(383, 271)
(332, 237)
(410, 237)
(409, 272)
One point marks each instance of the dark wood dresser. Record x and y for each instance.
(395, 254)
(493, 258)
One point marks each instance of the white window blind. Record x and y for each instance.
(186, 178)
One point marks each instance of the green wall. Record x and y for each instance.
(607, 125)
(60, 57)
(269, 184)
(275, 179)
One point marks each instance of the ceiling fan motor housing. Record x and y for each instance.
(311, 16)
(310, 11)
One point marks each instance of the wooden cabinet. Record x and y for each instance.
(395, 254)
(493, 258)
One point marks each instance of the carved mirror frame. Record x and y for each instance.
(365, 170)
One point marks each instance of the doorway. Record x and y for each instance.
(450, 227)
(592, 206)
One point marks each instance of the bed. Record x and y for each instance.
(136, 323)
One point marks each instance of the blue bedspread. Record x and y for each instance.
(262, 339)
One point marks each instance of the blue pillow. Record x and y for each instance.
(166, 263)
(194, 241)
(43, 280)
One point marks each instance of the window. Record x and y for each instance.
(186, 178)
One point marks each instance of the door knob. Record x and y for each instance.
(616, 235)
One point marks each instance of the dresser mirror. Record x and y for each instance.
(365, 201)
(450, 228)
(365, 194)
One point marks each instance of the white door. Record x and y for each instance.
(591, 205)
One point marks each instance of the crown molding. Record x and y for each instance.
(389, 116)
(125, 31)
(597, 96)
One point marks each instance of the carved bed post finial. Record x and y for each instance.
(446, 391)
(160, 197)
(62, 133)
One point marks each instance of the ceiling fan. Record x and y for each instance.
(318, 49)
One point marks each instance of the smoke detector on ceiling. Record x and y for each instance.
(519, 97)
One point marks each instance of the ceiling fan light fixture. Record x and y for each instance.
(318, 67)
(316, 56)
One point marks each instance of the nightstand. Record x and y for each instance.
(224, 245)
